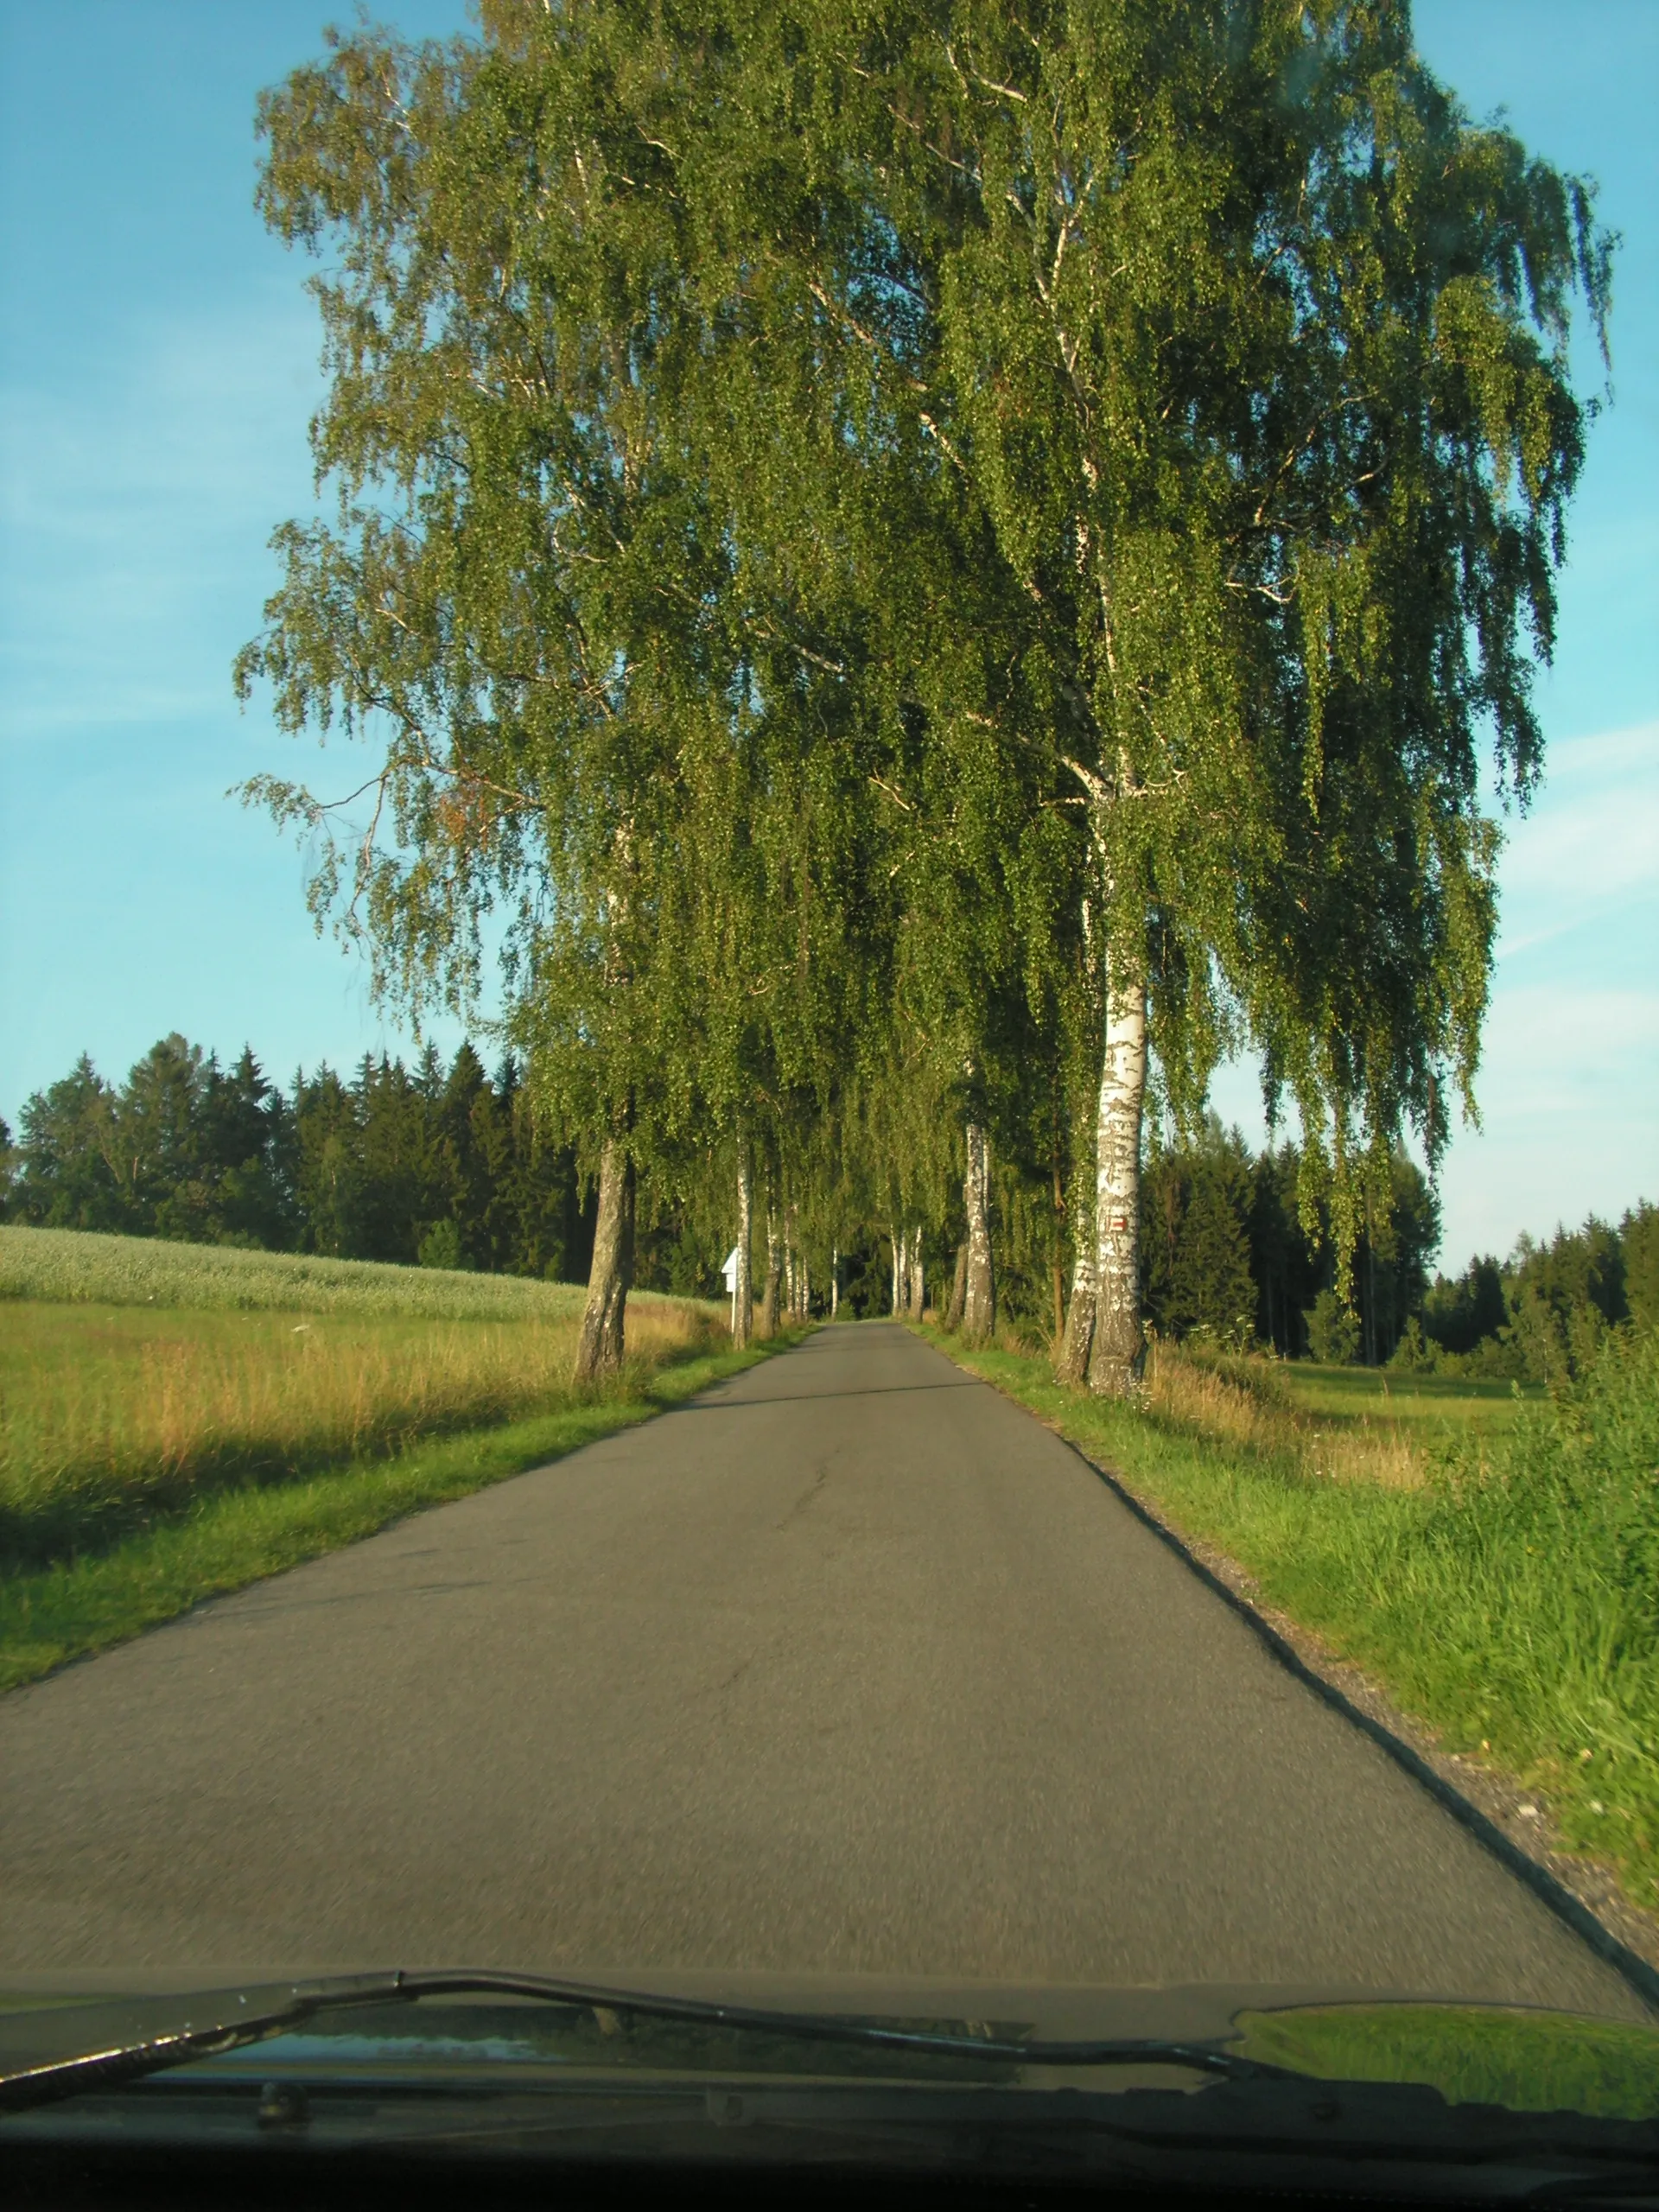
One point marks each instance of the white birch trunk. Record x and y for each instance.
(898, 1266)
(1077, 1342)
(1072, 1366)
(769, 1304)
(958, 1298)
(1119, 1349)
(918, 1282)
(834, 1280)
(743, 1296)
(979, 1302)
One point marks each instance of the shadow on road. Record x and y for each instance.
(710, 1405)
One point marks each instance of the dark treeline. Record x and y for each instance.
(1541, 1315)
(1227, 1258)
(446, 1167)
(434, 1165)
(1228, 1261)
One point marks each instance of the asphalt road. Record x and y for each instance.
(849, 1667)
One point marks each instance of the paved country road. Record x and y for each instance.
(850, 1667)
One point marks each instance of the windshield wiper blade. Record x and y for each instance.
(239, 2017)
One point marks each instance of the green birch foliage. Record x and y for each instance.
(799, 474)
(528, 601)
(1253, 349)
(630, 554)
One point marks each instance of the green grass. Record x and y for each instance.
(1525, 2060)
(1509, 1598)
(74, 1265)
(230, 1537)
(1429, 1406)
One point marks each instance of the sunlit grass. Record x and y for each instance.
(111, 1415)
(1254, 1405)
(227, 1538)
(1431, 1406)
(80, 1266)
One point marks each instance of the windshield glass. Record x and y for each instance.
(898, 1330)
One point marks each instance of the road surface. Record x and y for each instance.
(849, 1667)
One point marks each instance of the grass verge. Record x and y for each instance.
(1509, 1598)
(229, 1538)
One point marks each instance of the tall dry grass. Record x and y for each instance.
(1245, 1404)
(110, 1415)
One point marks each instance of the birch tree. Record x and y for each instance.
(566, 597)
(1252, 348)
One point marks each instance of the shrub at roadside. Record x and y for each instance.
(1538, 1558)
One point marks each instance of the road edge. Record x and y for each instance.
(149, 1580)
(1584, 1893)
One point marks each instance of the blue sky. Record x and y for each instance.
(157, 367)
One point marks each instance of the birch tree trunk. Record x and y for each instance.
(1118, 1353)
(743, 1321)
(834, 1280)
(898, 1242)
(598, 1348)
(958, 1290)
(1073, 1365)
(769, 1305)
(1078, 1341)
(918, 1282)
(979, 1302)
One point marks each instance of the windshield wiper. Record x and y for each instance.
(236, 2019)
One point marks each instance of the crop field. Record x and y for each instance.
(110, 1414)
(78, 1267)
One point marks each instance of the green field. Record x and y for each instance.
(1503, 1586)
(76, 1265)
(1429, 1406)
(177, 1419)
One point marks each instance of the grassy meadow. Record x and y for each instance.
(1495, 1566)
(1430, 1409)
(81, 1266)
(177, 1419)
(1345, 1424)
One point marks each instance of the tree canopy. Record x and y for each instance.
(917, 561)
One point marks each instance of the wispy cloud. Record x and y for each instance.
(134, 511)
(1591, 844)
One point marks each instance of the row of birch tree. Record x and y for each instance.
(907, 569)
